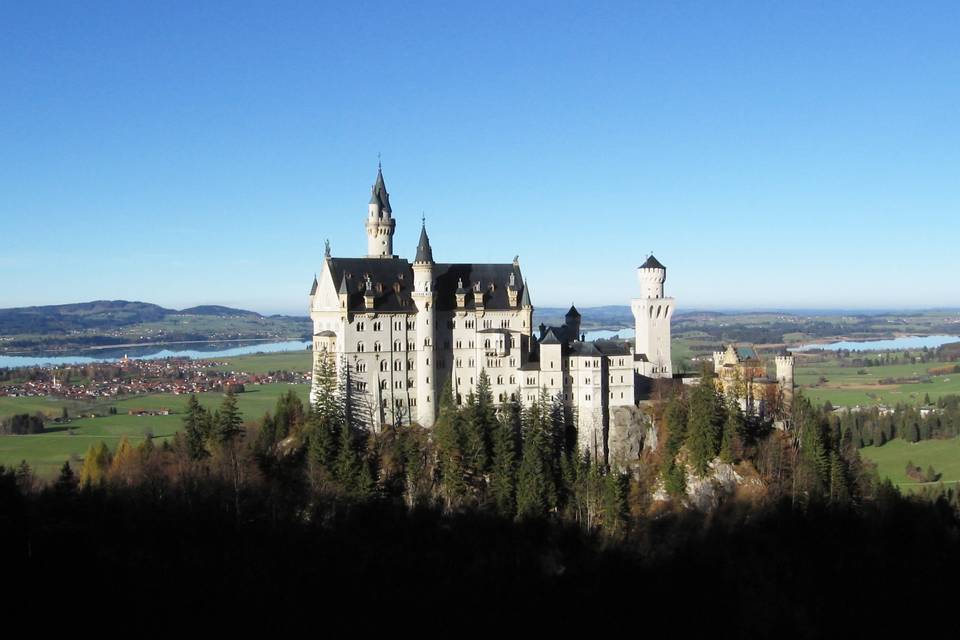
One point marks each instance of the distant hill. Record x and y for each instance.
(217, 310)
(97, 315)
(109, 315)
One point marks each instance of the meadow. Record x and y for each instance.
(47, 452)
(844, 386)
(892, 458)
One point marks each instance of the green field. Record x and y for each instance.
(293, 361)
(892, 459)
(47, 452)
(846, 387)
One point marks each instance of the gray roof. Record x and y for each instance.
(525, 298)
(613, 347)
(652, 263)
(313, 289)
(392, 280)
(379, 195)
(424, 252)
(572, 313)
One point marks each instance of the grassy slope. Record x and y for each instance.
(892, 458)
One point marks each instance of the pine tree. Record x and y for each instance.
(196, 426)
(124, 461)
(229, 425)
(615, 510)
(536, 484)
(839, 487)
(449, 451)
(503, 481)
(730, 444)
(67, 480)
(704, 426)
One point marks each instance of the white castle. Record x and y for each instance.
(401, 332)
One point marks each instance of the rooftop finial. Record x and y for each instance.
(379, 165)
(326, 248)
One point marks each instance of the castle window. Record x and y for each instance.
(452, 324)
(513, 397)
(499, 379)
(398, 365)
(470, 362)
(360, 347)
(513, 341)
(486, 344)
(376, 347)
(398, 325)
(410, 325)
(513, 362)
(377, 326)
(513, 379)
(502, 397)
(469, 324)
(398, 384)
(397, 346)
(459, 363)
(586, 397)
(361, 367)
(410, 365)
(360, 326)
(487, 324)
(383, 365)
(383, 384)
(411, 345)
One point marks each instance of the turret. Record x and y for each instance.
(380, 224)
(572, 322)
(424, 299)
(652, 275)
(784, 364)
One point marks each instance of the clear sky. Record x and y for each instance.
(771, 154)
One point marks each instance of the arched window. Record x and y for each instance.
(397, 346)
(383, 365)
(376, 347)
(360, 347)
(398, 365)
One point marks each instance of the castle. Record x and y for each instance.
(400, 332)
(742, 374)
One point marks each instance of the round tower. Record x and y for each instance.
(652, 313)
(424, 298)
(784, 364)
(652, 275)
(380, 224)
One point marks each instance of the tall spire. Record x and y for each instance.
(424, 251)
(378, 193)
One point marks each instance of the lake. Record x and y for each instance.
(903, 342)
(206, 351)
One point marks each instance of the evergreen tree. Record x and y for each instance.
(67, 482)
(536, 485)
(229, 425)
(730, 443)
(839, 487)
(196, 426)
(449, 451)
(615, 510)
(704, 426)
(503, 479)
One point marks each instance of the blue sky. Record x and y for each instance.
(770, 154)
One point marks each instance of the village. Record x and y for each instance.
(127, 377)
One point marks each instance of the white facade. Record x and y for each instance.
(404, 331)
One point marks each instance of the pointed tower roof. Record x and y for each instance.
(525, 297)
(343, 286)
(424, 252)
(313, 289)
(652, 263)
(378, 193)
(573, 313)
